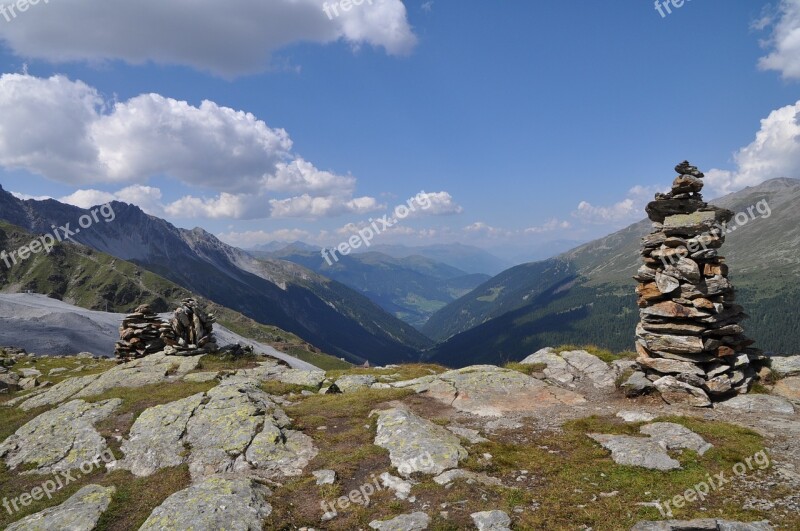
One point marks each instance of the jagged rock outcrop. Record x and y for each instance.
(690, 325)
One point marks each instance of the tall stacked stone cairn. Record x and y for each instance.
(190, 331)
(140, 334)
(689, 336)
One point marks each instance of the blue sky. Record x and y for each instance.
(528, 121)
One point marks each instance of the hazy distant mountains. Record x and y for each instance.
(586, 295)
(325, 313)
(410, 288)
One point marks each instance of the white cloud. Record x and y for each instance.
(72, 135)
(483, 229)
(549, 226)
(26, 197)
(88, 198)
(306, 206)
(775, 152)
(238, 36)
(629, 209)
(784, 43)
(435, 204)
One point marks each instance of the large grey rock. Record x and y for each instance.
(492, 521)
(757, 404)
(786, 365)
(154, 369)
(30, 373)
(708, 524)
(239, 428)
(156, 438)
(591, 367)
(676, 437)
(667, 366)
(60, 439)
(9, 382)
(637, 384)
(405, 522)
(354, 382)
(636, 451)
(490, 391)
(674, 391)
(416, 444)
(217, 502)
(59, 392)
(302, 377)
(557, 367)
(788, 388)
(80, 512)
(568, 366)
(150, 370)
(325, 477)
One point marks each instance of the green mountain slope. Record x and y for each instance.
(586, 295)
(411, 288)
(81, 276)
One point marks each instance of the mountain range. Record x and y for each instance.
(410, 288)
(586, 295)
(323, 312)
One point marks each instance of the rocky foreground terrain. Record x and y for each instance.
(214, 442)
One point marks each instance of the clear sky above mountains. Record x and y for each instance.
(527, 121)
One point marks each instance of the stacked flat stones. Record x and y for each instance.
(689, 327)
(190, 331)
(140, 334)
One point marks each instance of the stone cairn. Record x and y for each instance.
(689, 338)
(140, 334)
(190, 332)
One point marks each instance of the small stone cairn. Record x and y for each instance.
(689, 327)
(190, 332)
(140, 334)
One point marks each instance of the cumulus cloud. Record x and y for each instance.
(784, 42)
(775, 152)
(26, 197)
(629, 209)
(238, 36)
(73, 135)
(435, 204)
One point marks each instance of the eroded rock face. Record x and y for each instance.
(490, 391)
(416, 444)
(60, 439)
(758, 404)
(215, 503)
(80, 512)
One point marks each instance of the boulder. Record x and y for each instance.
(674, 391)
(217, 502)
(492, 521)
(80, 512)
(418, 521)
